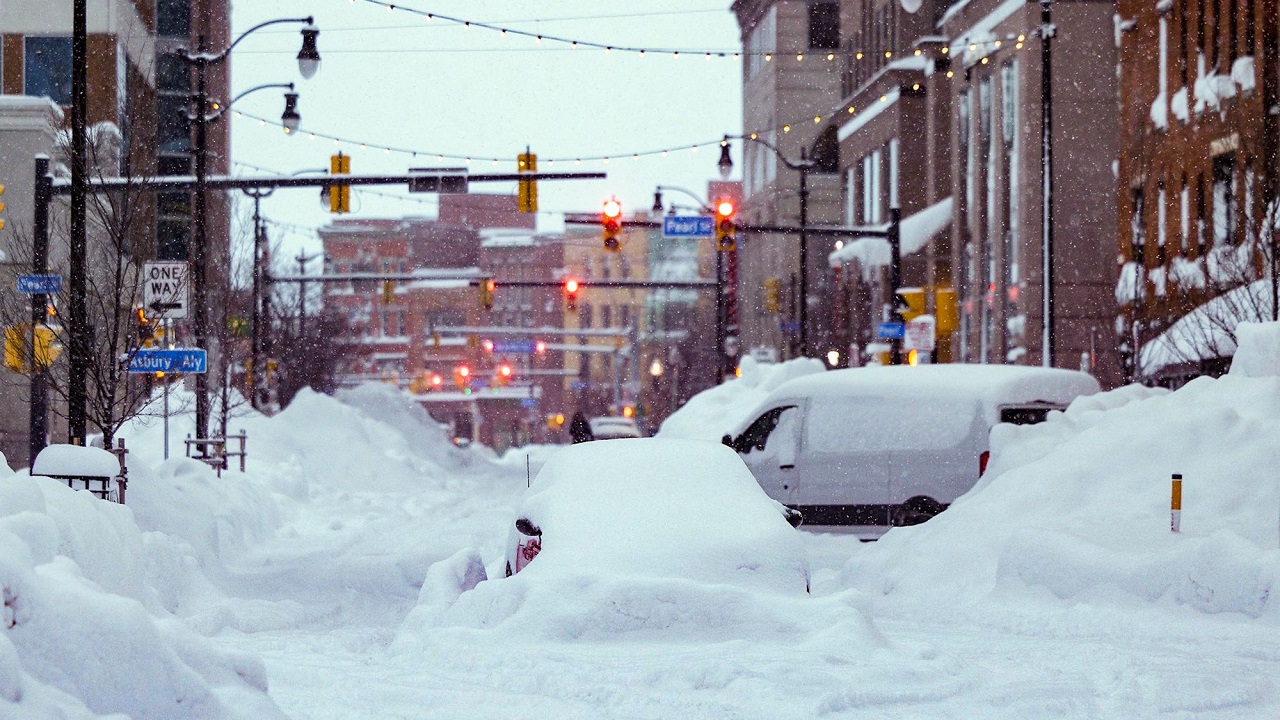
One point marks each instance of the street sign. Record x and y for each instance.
(689, 227)
(789, 326)
(39, 284)
(528, 402)
(891, 330)
(165, 289)
(921, 333)
(178, 360)
(515, 347)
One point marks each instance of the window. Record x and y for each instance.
(893, 173)
(173, 18)
(48, 68)
(173, 74)
(761, 41)
(871, 188)
(1224, 197)
(824, 26)
(624, 313)
(757, 433)
(1137, 231)
(172, 127)
(606, 316)
(393, 322)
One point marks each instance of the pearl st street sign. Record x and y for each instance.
(165, 289)
(178, 360)
(39, 284)
(688, 227)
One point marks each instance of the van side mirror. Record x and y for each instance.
(526, 527)
(727, 440)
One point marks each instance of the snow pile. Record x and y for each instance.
(1180, 105)
(712, 413)
(645, 537)
(1077, 508)
(85, 629)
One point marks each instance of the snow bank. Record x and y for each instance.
(716, 411)
(86, 632)
(1077, 509)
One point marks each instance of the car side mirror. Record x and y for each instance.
(794, 517)
(727, 440)
(528, 528)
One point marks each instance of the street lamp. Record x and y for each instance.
(802, 166)
(202, 59)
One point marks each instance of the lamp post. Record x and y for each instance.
(206, 111)
(802, 166)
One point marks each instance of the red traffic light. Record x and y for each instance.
(540, 347)
(436, 380)
(463, 371)
(612, 209)
(488, 346)
(504, 371)
(724, 208)
(571, 285)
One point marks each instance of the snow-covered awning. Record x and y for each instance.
(1208, 332)
(915, 232)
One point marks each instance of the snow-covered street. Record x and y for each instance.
(328, 582)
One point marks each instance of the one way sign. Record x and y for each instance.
(164, 289)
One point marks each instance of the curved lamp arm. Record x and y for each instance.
(804, 163)
(657, 197)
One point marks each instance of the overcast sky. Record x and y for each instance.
(392, 78)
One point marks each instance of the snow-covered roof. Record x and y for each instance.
(915, 232)
(992, 385)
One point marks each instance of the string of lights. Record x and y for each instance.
(829, 55)
(981, 51)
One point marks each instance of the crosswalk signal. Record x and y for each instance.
(487, 286)
(143, 327)
(571, 294)
(725, 227)
(527, 197)
(1, 205)
(340, 195)
(772, 295)
(611, 222)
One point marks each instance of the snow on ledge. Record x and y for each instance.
(916, 232)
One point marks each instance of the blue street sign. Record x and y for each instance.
(789, 326)
(517, 347)
(178, 360)
(891, 330)
(528, 402)
(691, 227)
(39, 284)
(578, 385)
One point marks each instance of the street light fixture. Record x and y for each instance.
(803, 166)
(290, 117)
(202, 59)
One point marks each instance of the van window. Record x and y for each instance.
(868, 424)
(757, 433)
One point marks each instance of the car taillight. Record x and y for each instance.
(982, 462)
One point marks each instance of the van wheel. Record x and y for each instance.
(915, 511)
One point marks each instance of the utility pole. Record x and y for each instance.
(259, 311)
(78, 326)
(1046, 171)
(895, 279)
(303, 259)
(804, 166)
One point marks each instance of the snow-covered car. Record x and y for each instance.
(658, 508)
(612, 427)
(869, 448)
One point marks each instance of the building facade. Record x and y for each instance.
(790, 76)
(1198, 180)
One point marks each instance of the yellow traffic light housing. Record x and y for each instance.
(487, 286)
(772, 295)
(527, 197)
(340, 195)
(912, 303)
(725, 227)
(611, 223)
(1, 206)
(388, 292)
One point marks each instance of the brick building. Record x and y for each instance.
(1197, 183)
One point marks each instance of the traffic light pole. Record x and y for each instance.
(39, 418)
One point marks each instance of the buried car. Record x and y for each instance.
(656, 508)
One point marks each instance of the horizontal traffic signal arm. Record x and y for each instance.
(855, 231)
(226, 182)
(531, 332)
(475, 281)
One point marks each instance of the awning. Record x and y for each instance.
(915, 233)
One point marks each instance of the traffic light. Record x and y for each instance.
(540, 348)
(340, 195)
(487, 345)
(1, 205)
(461, 376)
(571, 294)
(611, 222)
(504, 375)
(487, 286)
(143, 327)
(725, 229)
(436, 381)
(911, 303)
(527, 198)
(772, 295)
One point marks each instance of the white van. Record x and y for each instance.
(868, 448)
